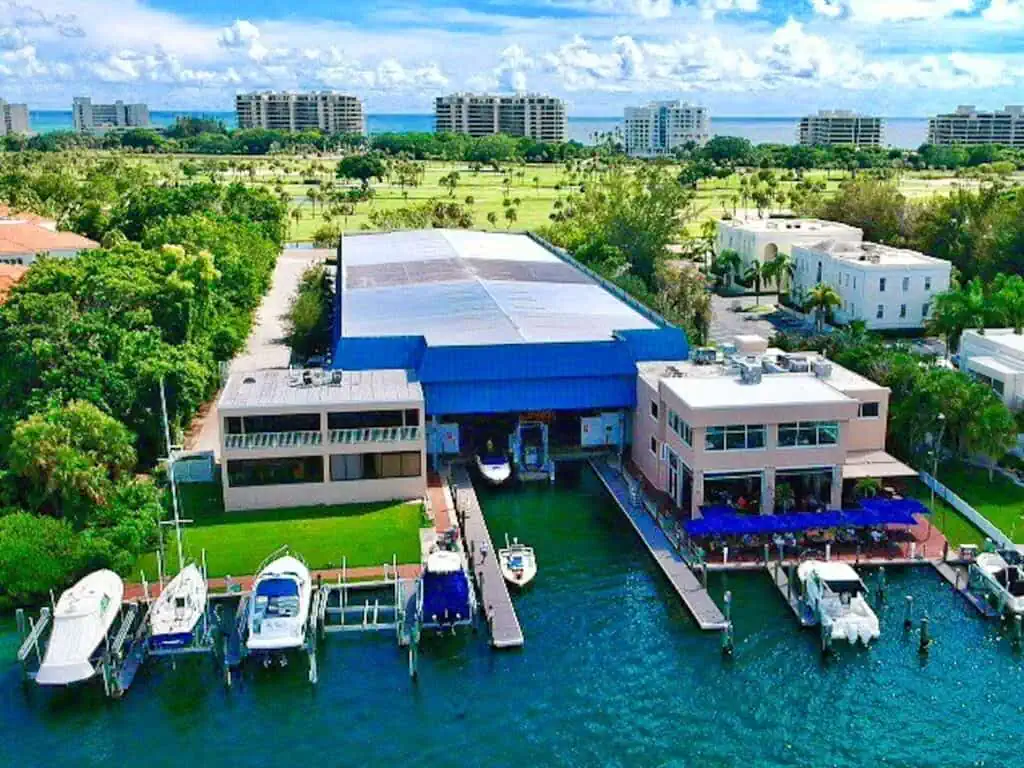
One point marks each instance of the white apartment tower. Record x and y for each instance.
(661, 126)
(969, 126)
(15, 118)
(317, 110)
(97, 118)
(523, 114)
(840, 126)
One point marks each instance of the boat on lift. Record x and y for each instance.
(279, 607)
(837, 596)
(446, 598)
(496, 469)
(518, 562)
(177, 610)
(81, 620)
(1003, 575)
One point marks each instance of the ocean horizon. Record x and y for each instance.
(900, 132)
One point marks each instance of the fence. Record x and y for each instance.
(965, 509)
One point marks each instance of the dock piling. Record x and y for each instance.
(728, 643)
(881, 584)
(925, 640)
(19, 619)
(908, 615)
(1016, 634)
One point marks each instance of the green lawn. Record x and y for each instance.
(999, 500)
(236, 542)
(956, 528)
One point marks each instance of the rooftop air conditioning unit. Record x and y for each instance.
(798, 364)
(704, 355)
(750, 374)
(822, 369)
(769, 366)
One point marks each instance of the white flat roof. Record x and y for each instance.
(276, 388)
(812, 227)
(774, 389)
(862, 253)
(1001, 337)
(988, 364)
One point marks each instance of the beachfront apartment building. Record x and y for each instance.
(99, 118)
(662, 126)
(969, 126)
(13, 118)
(759, 429)
(325, 111)
(885, 287)
(840, 126)
(296, 438)
(533, 115)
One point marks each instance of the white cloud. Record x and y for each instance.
(878, 11)
(1004, 12)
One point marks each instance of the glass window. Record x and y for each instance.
(806, 433)
(787, 435)
(880, 312)
(735, 437)
(285, 471)
(881, 285)
(366, 419)
(233, 425)
(714, 439)
(654, 410)
(411, 464)
(903, 310)
(654, 446)
(755, 436)
(346, 467)
(925, 309)
(828, 433)
(869, 410)
(412, 417)
(927, 283)
(906, 283)
(293, 422)
(809, 434)
(391, 464)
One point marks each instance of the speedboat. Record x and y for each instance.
(177, 610)
(518, 563)
(836, 595)
(1003, 575)
(280, 605)
(495, 469)
(446, 598)
(81, 620)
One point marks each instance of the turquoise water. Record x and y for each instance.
(613, 673)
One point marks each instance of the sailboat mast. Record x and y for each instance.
(170, 472)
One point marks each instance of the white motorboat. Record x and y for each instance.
(279, 605)
(81, 620)
(518, 563)
(836, 594)
(177, 610)
(1003, 574)
(494, 469)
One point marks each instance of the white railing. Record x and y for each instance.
(967, 511)
(374, 435)
(262, 440)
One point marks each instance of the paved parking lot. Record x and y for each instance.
(727, 323)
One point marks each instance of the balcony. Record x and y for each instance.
(258, 441)
(374, 435)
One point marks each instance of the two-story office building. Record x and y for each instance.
(761, 240)
(759, 427)
(997, 358)
(295, 438)
(885, 287)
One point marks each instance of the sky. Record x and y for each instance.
(737, 57)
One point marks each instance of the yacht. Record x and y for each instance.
(81, 620)
(518, 563)
(446, 598)
(836, 595)
(1003, 574)
(177, 610)
(496, 469)
(279, 606)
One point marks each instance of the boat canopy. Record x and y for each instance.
(720, 520)
(278, 587)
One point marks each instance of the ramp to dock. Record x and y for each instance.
(803, 613)
(694, 596)
(495, 599)
(959, 578)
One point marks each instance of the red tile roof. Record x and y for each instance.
(9, 275)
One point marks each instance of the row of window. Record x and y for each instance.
(880, 311)
(794, 434)
(800, 434)
(310, 422)
(293, 470)
(905, 285)
(735, 437)
(680, 427)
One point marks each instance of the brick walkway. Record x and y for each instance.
(439, 503)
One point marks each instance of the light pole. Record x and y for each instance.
(936, 447)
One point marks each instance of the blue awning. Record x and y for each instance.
(720, 522)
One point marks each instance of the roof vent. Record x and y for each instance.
(248, 380)
(750, 373)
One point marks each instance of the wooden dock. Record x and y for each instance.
(495, 601)
(694, 596)
(780, 578)
(957, 576)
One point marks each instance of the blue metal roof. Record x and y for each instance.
(527, 361)
(368, 352)
(667, 343)
(569, 394)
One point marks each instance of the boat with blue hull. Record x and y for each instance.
(446, 597)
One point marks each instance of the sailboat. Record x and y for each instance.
(177, 610)
(81, 620)
(518, 562)
(280, 604)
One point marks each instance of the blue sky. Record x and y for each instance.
(739, 57)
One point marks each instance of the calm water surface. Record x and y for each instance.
(613, 673)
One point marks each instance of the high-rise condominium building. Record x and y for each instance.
(97, 118)
(14, 118)
(523, 114)
(662, 126)
(840, 126)
(969, 126)
(318, 110)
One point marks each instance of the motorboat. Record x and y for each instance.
(837, 596)
(81, 620)
(1003, 575)
(279, 606)
(446, 597)
(518, 562)
(495, 469)
(177, 610)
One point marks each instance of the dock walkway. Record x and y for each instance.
(483, 559)
(694, 596)
(781, 580)
(957, 576)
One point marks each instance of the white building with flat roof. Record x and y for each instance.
(13, 118)
(99, 118)
(662, 126)
(887, 288)
(841, 126)
(968, 126)
(325, 111)
(997, 358)
(534, 115)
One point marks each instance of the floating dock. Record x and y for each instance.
(780, 578)
(483, 560)
(958, 577)
(686, 584)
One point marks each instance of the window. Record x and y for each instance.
(368, 419)
(996, 384)
(735, 437)
(906, 283)
(296, 422)
(903, 311)
(881, 285)
(412, 417)
(927, 283)
(347, 466)
(880, 312)
(654, 446)
(243, 473)
(375, 466)
(805, 434)
(868, 411)
(819, 272)
(680, 427)
(854, 282)
(654, 410)
(925, 309)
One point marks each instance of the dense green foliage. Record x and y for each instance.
(307, 323)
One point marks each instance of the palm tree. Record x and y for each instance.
(1008, 300)
(492, 219)
(822, 298)
(755, 274)
(779, 270)
(959, 309)
(727, 265)
(510, 216)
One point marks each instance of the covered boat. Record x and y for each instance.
(279, 605)
(446, 596)
(836, 594)
(1003, 573)
(178, 609)
(518, 563)
(81, 620)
